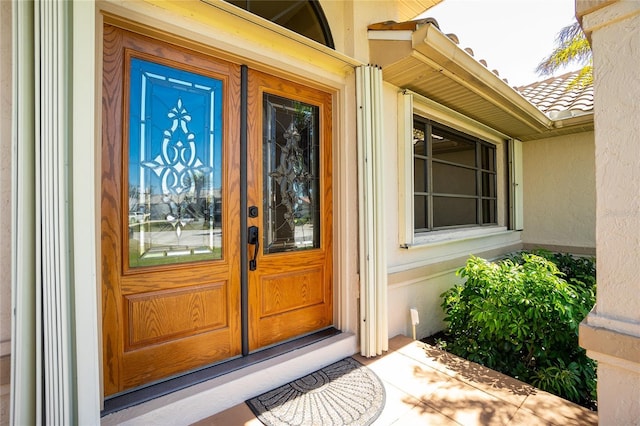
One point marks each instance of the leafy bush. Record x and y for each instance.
(520, 316)
(580, 271)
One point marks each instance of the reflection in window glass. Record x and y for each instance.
(454, 178)
(421, 205)
(448, 179)
(419, 141)
(175, 166)
(291, 150)
(304, 17)
(488, 184)
(420, 174)
(488, 158)
(488, 211)
(453, 211)
(453, 149)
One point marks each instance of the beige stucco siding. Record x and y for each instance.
(424, 296)
(559, 192)
(5, 208)
(335, 12)
(611, 332)
(617, 166)
(5, 177)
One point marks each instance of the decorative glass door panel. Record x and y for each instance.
(171, 292)
(290, 277)
(291, 180)
(174, 173)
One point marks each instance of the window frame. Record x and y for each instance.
(429, 128)
(410, 103)
(317, 15)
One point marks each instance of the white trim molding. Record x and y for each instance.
(516, 187)
(86, 210)
(405, 169)
(23, 409)
(410, 103)
(373, 264)
(53, 232)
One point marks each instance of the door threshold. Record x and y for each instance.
(199, 401)
(157, 390)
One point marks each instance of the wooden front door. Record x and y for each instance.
(172, 281)
(289, 157)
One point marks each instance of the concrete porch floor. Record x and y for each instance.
(426, 386)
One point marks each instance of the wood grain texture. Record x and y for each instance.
(110, 208)
(170, 314)
(290, 293)
(163, 320)
(159, 321)
(280, 293)
(140, 366)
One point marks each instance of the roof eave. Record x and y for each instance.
(431, 42)
(409, 9)
(576, 124)
(428, 45)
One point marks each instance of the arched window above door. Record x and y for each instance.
(305, 17)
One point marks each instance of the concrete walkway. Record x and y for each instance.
(426, 386)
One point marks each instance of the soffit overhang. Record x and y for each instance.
(417, 56)
(409, 9)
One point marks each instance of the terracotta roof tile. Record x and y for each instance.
(549, 96)
(552, 96)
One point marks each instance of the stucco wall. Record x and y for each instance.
(559, 194)
(617, 88)
(418, 284)
(5, 208)
(611, 332)
(5, 176)
(349, 21)
(424, 296)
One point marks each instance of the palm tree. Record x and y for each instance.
(572, 46)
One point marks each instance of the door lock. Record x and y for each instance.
(252, 239)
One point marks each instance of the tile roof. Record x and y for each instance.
(552, 96)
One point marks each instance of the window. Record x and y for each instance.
(305, 17)
(454, 178)
(457, 178)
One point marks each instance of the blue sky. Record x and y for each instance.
(511, 35)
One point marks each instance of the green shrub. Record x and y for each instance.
(520, 316)
(578, 270)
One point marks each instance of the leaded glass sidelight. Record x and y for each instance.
(175, 165)
(291, 156)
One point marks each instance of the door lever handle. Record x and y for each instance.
(252, 237)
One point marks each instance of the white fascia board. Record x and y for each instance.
(391, 35)
(429, 37)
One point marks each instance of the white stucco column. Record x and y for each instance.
(611, 333)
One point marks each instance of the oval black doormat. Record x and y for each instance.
(343, 393)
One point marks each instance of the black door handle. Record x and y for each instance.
(252, 237)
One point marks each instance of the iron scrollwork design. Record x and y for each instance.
(291, 175)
